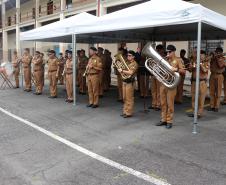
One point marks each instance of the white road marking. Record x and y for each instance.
(91, 154)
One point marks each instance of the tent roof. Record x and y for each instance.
(156, 20)
(59, 28)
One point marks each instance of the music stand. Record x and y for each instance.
(5, 76)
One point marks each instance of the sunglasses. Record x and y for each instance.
(129, 55)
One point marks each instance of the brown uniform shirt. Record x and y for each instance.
(103, 61)
(61, 62)
(204, 68)
(83, 61)
(108, 62)
(53, 64)
(133, 66)
(15, 62)
(68, 68)
(37, 62)
(177, 63)
(97, 65)
(217, 65)
(26, 60)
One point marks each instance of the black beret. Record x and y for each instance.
(51, 51)
(160, 46)
(93, 48)
(219, 49)
(202, 52)
(131, 52)
(69, 52)
(38, 52)
(100, 48)
(171, 48)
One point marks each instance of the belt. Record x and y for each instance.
(69, 73)
(52, 70)
(93, 74)
(193, 80)
(217, 73)
(37, 70)
(25, 66)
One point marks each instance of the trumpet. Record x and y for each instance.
(86, 71)
(120, 63)
(88, 68)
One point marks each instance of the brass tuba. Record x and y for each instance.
(159, 67)
(120, 63)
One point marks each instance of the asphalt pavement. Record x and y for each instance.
(176, 156)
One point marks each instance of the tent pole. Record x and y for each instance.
(21, 67)
(74, 67)
(197, 78)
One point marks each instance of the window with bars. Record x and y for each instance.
(206, 45)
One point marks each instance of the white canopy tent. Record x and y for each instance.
(156, 20)
(58, 29)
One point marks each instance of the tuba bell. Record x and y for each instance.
(159, 67)
(120, 63)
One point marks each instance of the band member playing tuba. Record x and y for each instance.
(128, 84)
(16, 68)
(155, 84)
(93, 69)
(167, 95)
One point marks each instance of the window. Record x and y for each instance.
(15, 19)
(50, 7)
(9, 21)
(206, 45)
(33, 13)
(68, 4)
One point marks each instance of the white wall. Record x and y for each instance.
(179, 45)
(216, 5)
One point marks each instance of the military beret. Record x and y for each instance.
(171, 48)
(51, 51)
(69, 52)
(160, 46)
(100, 48)
(202, 52)
(219, 49)
(93, 48)
(131, 52)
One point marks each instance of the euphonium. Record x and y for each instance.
(120, 63)
(159, 67)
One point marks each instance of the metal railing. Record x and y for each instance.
(49, 9)
(79, 3)
(26, 16)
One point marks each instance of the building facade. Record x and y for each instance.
(24, 15)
